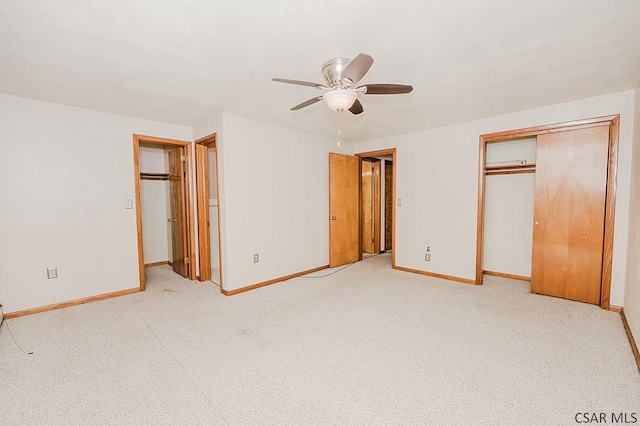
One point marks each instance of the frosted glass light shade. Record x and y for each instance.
(340, 99)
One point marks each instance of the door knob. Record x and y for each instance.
(333, 218)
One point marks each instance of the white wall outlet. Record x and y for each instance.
(256, 258)
(428, 249)
(52, 273)
(399, 201)
(128, 203)
(427, 257)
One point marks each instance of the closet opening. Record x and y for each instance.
(546, 207)
(163, 205)
(508, 207)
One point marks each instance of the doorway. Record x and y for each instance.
(345, 206)
(208, 190)
(376, 191)
(168, 176)
(573, 207)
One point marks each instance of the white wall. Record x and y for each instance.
(632, 292)
(274, 202)
(66, 173)
(508, 224)
(437, 179)
(508, 212)
(156, 230)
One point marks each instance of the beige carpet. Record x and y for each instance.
(367, 345)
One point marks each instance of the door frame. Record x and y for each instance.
(202, 197)
(381, 153)
(613, 121)
(188, 215)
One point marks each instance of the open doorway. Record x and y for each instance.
(163, 205)
(376, 199)
(377, 195)
(349, 228)
(207, 187)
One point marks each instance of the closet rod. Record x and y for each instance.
(154, 176)
(511, 166)
(508, 172)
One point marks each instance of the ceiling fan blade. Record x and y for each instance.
(307, 103)
(298, 82)
(387, 89)
(356, 108)
(356, 69)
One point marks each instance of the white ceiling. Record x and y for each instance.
(180, 61)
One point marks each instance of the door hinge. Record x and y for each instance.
(186, 260)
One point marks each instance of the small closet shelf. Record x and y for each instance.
(154, 176)
(507, 169)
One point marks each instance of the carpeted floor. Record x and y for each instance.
(367, 345)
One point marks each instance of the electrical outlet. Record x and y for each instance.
(427, 257)
(52, 273)
(428, 249)
(256, 258)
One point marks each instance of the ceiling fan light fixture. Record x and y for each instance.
(340, 99)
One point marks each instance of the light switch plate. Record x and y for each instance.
(52, 273)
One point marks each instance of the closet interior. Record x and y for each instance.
(161, 198)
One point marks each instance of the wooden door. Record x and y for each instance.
(344, 211)
(178, 208)
(571, 183)
(370, 206)
(388, 204)
(202, 190)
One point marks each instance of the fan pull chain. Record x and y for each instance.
(339, 126)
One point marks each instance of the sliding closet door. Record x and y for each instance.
(571, 180)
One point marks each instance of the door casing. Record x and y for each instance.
(188, 214)
(202, 146)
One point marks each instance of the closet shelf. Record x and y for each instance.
(510, 169)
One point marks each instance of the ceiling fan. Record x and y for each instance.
(341, 75)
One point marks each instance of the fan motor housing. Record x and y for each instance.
(332, 71)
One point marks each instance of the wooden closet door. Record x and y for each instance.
(178, 209)
(571, 181)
